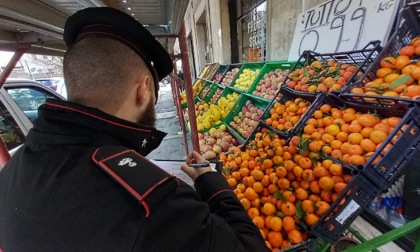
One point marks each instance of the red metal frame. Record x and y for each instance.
(4, 153)
(188, 87)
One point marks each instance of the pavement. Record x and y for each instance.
(172, 147)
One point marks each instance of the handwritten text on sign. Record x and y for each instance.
(342, 25)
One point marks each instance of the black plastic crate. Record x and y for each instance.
(358, 193)
(220, 71)
(407, 29)
(285, 95)
(360, 58)
(228, 69)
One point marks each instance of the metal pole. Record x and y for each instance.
(181, 118)
(4, 153)
(188, 87)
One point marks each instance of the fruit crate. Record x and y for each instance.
(393, 154)
(408, 29)
(360, 58)
(237, 108)
(252, 66)
(220, 71)
(269, 67)
(195, 84)
(212, 91)
(358, 193)
(228, 69)
(282, 97)
(204, 91)
(227, 91)
(208, 71)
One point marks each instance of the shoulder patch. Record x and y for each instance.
(136, 174)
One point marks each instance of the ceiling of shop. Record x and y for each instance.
(41, 22)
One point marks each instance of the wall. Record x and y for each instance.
(281, 22)
(204, 20)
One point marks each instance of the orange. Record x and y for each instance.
(342, 136)
(382, 72)
(320, 171)
(416, 73)
(258, 221)
(246, 203)
(333, 129)
(393, 121)
(391, 77)
(321, 207)
(308, 206)
(336, 169)
(408, 69)
(402, 61)
(289, 196)
(355, 138)
(355, 127)
(297, 171)
(326, 183)
(308, 175)
(305, 163)
(301, 194)
(407, 50)
(257, 174)
(357, 160)
(314, 187)
(311, 219)
(315, 145)
(378, 136)
(367, 120)
(325, 108)
(382, 127)
(258, 187)
(366, 132)
(388, 62)
(289, 223)
(253, 211)
(268, 209)
(283, 183)
(250, 193)
(294, 236)
(368, 145)
(275, 239)
(288, 209)
(232, 182)
(339, 187)
(355, 149)
(326, 195)
(276, 223)
(412, 91)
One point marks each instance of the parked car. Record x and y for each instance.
(50, 82)
(17, 109)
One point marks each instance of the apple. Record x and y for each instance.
(270, 83)
(248, 120)
(229, 76)
(217, 141)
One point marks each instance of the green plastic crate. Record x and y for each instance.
(228, 69)
(203, 92)
(252, 66)
(212, 91)
(268, 67)
(258, 102)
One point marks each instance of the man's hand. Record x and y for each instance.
(192, 172)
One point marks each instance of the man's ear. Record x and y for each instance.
(143, 88)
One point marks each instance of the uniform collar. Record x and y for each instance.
(77, 123)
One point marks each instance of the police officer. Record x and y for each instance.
(80, 182)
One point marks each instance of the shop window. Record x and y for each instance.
(251, 27)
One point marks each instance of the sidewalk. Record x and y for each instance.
(172, 146)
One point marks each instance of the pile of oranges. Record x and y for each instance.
(284, 117)
(283, 189)
(346, 134)
(397, 76)
(325, 77)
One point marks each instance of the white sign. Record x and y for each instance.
(343, 25)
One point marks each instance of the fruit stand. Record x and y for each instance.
(307, 146)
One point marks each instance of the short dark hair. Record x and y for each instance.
(98, 71)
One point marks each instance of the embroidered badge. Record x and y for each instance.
(144, 143)
(128, 161)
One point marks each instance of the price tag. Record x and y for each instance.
(347, 212)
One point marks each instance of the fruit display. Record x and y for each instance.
(204, 91)
(204, 71)
(324, 77)
(229, 76)
(215, 141)
(271, 82)
(246, 78)
(394, 76)
(218, 77)
(346, 134)
(198, 85)
(283, 189)
(284, 116)
(215, 112)
(247, 119)
(216, 95)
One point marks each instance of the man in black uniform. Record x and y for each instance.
(80, 182)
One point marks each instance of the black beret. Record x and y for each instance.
(111, 23)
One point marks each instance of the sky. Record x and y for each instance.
(5, 57)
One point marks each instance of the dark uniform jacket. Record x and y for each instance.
(53, 197)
